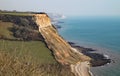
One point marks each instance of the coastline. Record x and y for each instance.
(98, 58)
(101, 60)
(102, 70)
(62, 50)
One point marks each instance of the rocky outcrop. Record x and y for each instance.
(63, 52)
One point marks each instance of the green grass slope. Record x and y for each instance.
(35, 49)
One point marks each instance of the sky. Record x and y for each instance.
(66, 7)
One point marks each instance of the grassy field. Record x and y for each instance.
(35, 49)
(14, 66)
(31, 58)
(16, 13)
(4, 32)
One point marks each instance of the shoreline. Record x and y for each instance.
(101, 70)
(98, 58)
(88, 50)
(97, 70)
(102, 59)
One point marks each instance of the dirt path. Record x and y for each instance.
(81, 69)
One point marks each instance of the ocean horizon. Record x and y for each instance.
(99, 33)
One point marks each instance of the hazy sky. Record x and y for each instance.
(67, 7)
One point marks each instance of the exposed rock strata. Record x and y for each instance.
(62, 51)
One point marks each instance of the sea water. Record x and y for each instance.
(100, 33)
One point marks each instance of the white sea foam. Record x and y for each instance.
(106, 56)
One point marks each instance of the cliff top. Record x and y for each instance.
(20, 13)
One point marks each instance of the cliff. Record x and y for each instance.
(63, 52)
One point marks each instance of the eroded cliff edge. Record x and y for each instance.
(63, 52)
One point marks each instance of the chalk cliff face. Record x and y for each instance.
(62, 51)
(42, 20)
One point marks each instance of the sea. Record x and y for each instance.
(101, 33)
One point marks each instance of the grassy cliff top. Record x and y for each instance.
(19, 35)
(16, 13)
